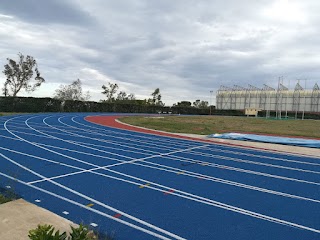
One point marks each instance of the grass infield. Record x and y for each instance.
(206, 125)
(9, 113)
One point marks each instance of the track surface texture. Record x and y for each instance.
(145, 186)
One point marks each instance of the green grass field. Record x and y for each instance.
(9, 113)
(206, 125)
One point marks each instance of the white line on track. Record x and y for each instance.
(129, 141)
(253, 162)
(209, 165)
(217, 145)
(95, 201)
(263, 216)
(190, 197)
(233, 159)
(152, 137)
(163, 168)
(225, 167)
(259, 156)
(89, 209)
(258, 163)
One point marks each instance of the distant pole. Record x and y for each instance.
(277, 99)
(304, 96)
(287, 99)
(210, 101)
(296, 115)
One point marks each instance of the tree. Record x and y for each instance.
(110, 90)
(200, 104)
(19, 75)
(156, 98)
(72, 92)
(122, 96)
(184, 104)
(131, 96)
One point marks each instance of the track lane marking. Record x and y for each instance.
(285, 224)
(201, 200)
(207, 178)
(91, 209)
(94, 200)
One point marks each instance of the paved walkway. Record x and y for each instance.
(18, 217)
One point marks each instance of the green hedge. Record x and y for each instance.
(34, 105)
(29, 104)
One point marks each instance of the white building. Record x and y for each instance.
(269, 99)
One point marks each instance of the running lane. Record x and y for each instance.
(150, 186)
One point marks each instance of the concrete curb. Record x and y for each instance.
(19, 216)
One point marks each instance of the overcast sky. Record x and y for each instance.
(187, 48)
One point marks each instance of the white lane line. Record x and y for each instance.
(221, 146)
(249, 162)
(173, 170)
(11, 138)
(225, 167)
(222, 158)
(281, 221)
(154, 156)
(183, 159)
(155, 142)
(94, 200)
(97, 167)
(211, 165)
(42, 159)
(225, 158)
(255, 163)
(153, 138)
(201, 200)
(162, 168)
(219, 180)
(133, 159)
(266, 157)
(240, 153)
(128, 144)
(32, 134)
(90, 209)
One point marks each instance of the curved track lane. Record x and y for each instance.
(143, 185)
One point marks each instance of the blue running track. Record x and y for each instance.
(142, 186)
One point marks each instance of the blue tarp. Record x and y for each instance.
(312, 143)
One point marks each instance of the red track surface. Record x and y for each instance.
(110, 121)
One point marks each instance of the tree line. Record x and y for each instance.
(24, 74)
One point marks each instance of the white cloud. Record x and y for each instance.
(186, 48)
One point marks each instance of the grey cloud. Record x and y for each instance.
(44, 12)
(185, 48)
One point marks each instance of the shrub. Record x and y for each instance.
(47, 232)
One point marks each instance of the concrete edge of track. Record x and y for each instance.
(20, 216)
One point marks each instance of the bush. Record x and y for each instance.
(47, 232)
